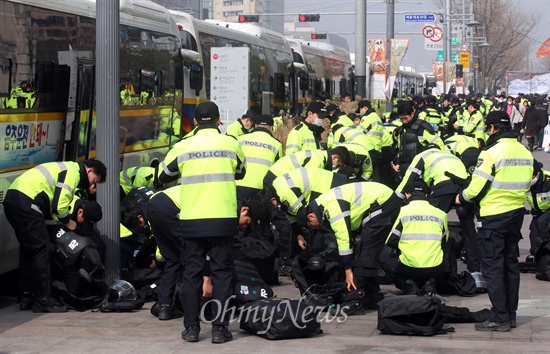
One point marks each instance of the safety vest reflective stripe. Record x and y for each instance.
(345, 252)
(64, 186)
(396, 232)
(292, 146)
(358, 194)
(253, 143)
(484, 175)
(370, 216)
(167, 171)
(259, 161)
(511, 185)
(48, 175)
(437, 160)
(211, 177)
(434, 139)
(421, 237)
(415, 170)
(295, 161)
(309, 141)
(340, 216)
(373, 133)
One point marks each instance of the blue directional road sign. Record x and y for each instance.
(417, 18)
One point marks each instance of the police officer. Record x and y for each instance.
(365, 208)
(209, 163)
(439, 169)
(540, 209)
(431, 113)
(499, 184)
(242, 125)
(418, 234)
(33, 198)
(475, 125)
(331, 159)
(307, 134)
(412, 137)
(261, 150)
(372, 126)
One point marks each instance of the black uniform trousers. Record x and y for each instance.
(499, 252)
(34, 247)
(540, 226)
(374, 232)
(195, 250)
(163, 216)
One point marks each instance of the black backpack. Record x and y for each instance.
(411, 315)
(276, 318)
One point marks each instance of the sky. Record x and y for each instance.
(416, 57)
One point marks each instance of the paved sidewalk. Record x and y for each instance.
(140, 332)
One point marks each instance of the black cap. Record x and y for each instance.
(319, 108)
(431, 99)
(263, 119)
(332, 107)
(364, 103)
(207, 112)
(419, 186)
(418, 99)
(92, 211)
(472, 103)
(497, 117)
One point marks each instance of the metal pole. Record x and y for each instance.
(447, 31)
(361, 47)
(107, 109)
(390, 28)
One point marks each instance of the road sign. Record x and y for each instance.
(429, 45)
(464, 47)
(440, 55)
(433, 33)
(417, 18)
(464, 59)
(454, 41)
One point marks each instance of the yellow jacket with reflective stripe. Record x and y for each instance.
(297, 187)
(430, 166)
(417, 233)
(301, 137)
(57, 180)
(350, 134)
(313, 158)
(346, 206)
(137, 177)
(502, 176)
(261, 150)
(372, 126)
(363, 163)
(236, 129)
(209, 163)
(474, 126)
(539, 194)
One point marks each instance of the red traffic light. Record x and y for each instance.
(309, 17)
(318, 36)
(249, 18)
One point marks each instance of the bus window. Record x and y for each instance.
(5, 80)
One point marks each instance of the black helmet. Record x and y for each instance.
(121, 291)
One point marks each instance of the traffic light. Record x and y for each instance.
(309, 17)
(249, 18)
(318, 36)
(459, 71)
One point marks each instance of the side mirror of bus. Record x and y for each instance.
(195, 77)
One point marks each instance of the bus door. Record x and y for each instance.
(80, 145)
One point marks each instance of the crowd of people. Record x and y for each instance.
(375, 193)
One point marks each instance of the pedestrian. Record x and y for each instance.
(33, 200)
(499, 184)
(208, 163)
(530, 126)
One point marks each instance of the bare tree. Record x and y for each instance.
(506, 27)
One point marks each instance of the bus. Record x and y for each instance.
(328, 66)
(407, 82)
(47, 89)
(270, 66)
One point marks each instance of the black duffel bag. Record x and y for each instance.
(411, 315)
(276, 318)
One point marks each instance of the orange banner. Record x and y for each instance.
(544, 50)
